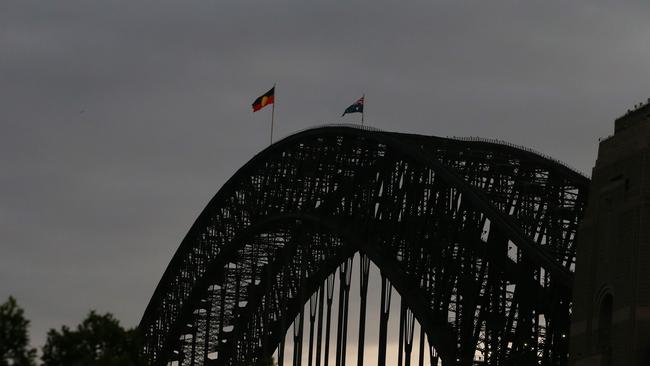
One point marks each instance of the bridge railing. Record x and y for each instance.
(349, 125)
(520, 147)
(457, 138)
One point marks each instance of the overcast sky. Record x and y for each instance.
(119, 120)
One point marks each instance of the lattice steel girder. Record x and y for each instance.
(478, 238)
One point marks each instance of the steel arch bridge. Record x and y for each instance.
(476, 236)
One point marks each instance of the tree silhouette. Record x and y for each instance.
(98, 341)
(14, 341)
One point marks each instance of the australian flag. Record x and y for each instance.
(357, 107)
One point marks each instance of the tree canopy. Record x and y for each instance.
(14, 339)
(98, 341)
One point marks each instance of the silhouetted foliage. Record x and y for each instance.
(98, 341)
(14, 341)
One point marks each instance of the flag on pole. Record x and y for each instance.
(264, 100)
(357, 107)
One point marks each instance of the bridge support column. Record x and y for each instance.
(297, 338)
(364, 269)
(421, 353)
(313, 304)
(384, 313)
(330, 298)
(319, 338)
(344, 297)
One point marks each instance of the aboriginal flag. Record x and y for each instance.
(264, 100)
(357, 107)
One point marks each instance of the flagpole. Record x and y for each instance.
(364, 107)
(272, 114)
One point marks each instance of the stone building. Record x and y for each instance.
(611, 313)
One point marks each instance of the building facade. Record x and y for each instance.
(611, 308)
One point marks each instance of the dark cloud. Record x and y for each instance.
(121, 119)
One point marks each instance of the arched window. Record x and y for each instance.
(605, 321)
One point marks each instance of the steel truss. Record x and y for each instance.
(477, 237)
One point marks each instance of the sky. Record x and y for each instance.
(120, 119)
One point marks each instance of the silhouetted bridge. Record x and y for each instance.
(476, 237)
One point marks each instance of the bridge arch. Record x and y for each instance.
(456, 217)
